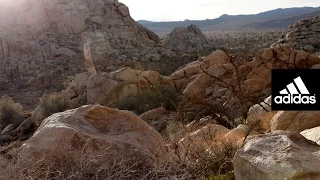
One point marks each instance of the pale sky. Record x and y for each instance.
(174, 10)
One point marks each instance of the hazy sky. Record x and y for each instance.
(171, 10)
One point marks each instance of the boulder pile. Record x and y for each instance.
(303, 35)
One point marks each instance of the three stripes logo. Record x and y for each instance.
(295, 93)
(295, 89)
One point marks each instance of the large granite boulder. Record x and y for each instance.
(282, 155)
(91, 130)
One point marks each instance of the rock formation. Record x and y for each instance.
(295, 121)
(304, 35)
(312, 134)
(260, 115)
(187, 40)
(41, 41)
(88, 60)
(196, 81)
(209, 81)
(93, 130)
(282, 155)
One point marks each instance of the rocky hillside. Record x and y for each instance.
(187, 40)
(42, 34)
(305, 34)
(42, 43)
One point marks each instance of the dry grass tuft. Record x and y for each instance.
(50, 104)
(9, 110)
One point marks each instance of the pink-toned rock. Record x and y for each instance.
(254, 85)
(195, 90)
(102, 90)
(153, 77)
(125, 74)
(301, 58)
(88, 60)
(262, 73)
(237, 134)
(268, 54)
(127, 90)
(167, 80)
(295, 121)
(152, 113)
(260, 52)
(217, 57)
(313, 59)
(181, 84)
(201, 140)
(217, 70)
(317, 66)
(178, 74)
(192, 69)
(143, 82)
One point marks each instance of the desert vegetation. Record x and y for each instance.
(146, 100)
(117, 102)
(9, 111)
(244, 40)
(50, 104)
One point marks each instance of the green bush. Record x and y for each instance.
(50, 104)
(9, 110)
(157, 96)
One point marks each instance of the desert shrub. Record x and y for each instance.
(50, 104)
(68, 81)
(9, 110)
(3, 86)
(149, 99)
(69, 165)
(194, 55)
(20, 84)
(175, 131)
(205, 156)
(214, 162)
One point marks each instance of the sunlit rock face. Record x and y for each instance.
(91, 130)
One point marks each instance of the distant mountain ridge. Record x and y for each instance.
(277, 18)
(285, 22)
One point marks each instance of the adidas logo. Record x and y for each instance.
(295, 93)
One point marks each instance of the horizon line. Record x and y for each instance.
(223, 15)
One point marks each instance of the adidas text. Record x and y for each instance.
(295, 99)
